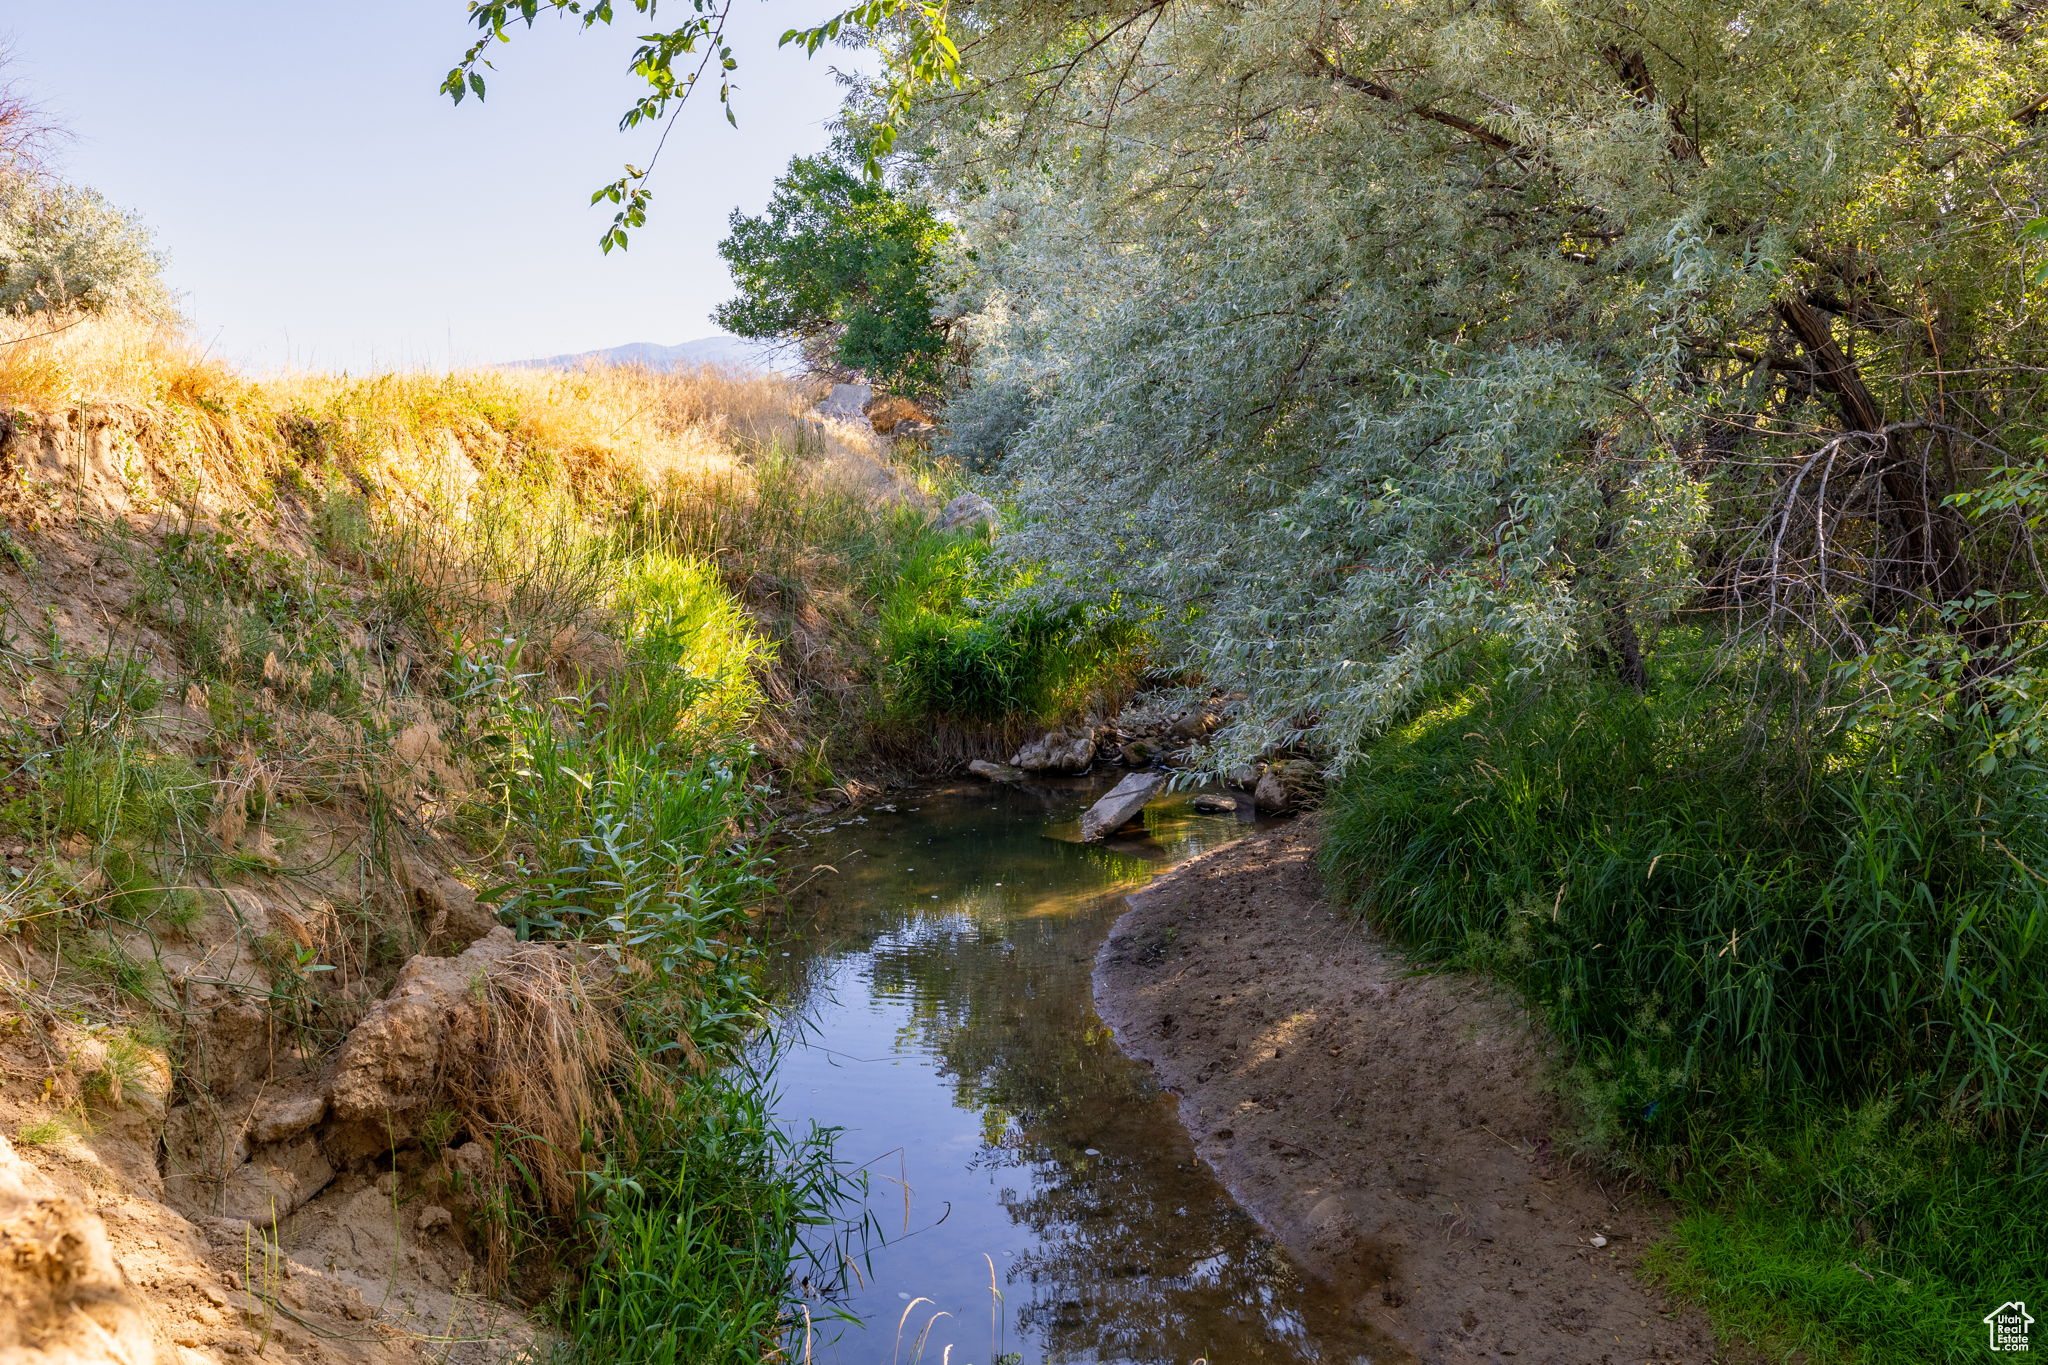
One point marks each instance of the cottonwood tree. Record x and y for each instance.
(847, 265)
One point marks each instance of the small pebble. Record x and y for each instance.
(1597, 1240)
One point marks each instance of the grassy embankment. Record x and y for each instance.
(576, 634)
(1803, 985)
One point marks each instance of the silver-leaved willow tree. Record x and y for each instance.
(1350, 339)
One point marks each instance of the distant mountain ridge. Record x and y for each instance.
(726, 352)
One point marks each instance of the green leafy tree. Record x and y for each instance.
(1365, 340)
(846, 265)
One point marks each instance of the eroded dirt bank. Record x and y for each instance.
(1392, 1130)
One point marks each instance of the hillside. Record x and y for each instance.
(324, 1033)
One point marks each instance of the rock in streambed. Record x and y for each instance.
(1125, 801)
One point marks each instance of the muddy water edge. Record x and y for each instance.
(1032, 1195)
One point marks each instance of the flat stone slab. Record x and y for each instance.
(1121, 806)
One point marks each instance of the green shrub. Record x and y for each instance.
(1805, 984)
(958, 640)
(65, 248)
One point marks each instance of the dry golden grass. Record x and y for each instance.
(542, 1086)
(595, 424)
(49, 364)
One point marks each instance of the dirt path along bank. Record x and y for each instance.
(1392, 1130)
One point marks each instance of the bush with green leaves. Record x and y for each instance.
(962, 638)
(847, 265)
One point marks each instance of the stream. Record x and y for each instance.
(1032, 1195)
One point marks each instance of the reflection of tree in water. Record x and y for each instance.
(1123, 1271)
(1139, 1255)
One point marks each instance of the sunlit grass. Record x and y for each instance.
(1807, 991)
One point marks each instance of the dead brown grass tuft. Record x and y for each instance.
(542, 1082)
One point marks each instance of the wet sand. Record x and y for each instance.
(1392, 1130)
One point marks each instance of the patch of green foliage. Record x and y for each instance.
(700, 1232)
(629, 798)
(101, 776)
(630, 795)
(1845, 1233)
(243, 613)
(1803, 980)
(843, 260)
(961, 639)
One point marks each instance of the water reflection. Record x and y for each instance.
(1034, 1188)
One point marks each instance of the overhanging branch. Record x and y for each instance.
(1366, 85)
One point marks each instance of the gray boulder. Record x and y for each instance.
(1124, 803)
(995, 772)
(969, 509)
(1062, 751)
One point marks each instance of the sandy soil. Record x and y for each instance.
(1391, 1129)
(118, 1244)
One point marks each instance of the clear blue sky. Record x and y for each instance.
(322, 204)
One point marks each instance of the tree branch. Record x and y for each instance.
(1832, 369)
(1449, 120)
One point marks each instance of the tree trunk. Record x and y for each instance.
(1918, 551)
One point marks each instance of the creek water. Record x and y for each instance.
(1031, 1192)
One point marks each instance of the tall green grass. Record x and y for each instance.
(627, 795)
(1804, 984)
(630, 801)
(961, 639)
(605, 682)
(701, 1231)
